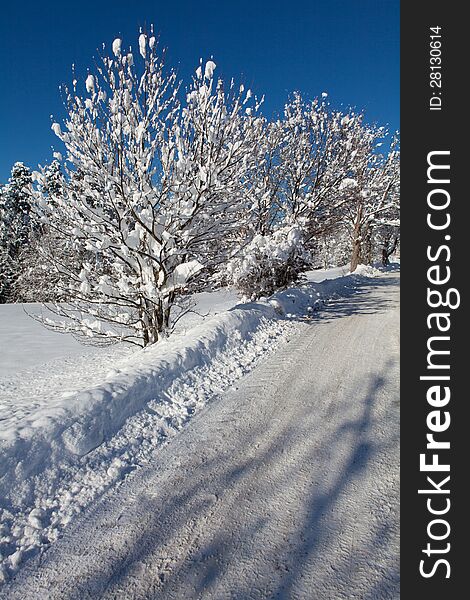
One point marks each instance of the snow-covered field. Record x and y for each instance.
(74, 420)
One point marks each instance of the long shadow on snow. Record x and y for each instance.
(205, 565)
(204, 561)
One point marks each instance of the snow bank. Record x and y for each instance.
(57, 459)
(368, 271)
(377, 269)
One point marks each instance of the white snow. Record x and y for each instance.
(25, 343)
(209, 70)
(90, 83)
(321, 274)
(142, 44)
(56, 129)
(182, 273)
(75, 420)
(347, 183)
(368, 271)
(117, 47)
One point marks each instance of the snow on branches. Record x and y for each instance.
(371, 205)
(152, 188)
(162, 191)
(269, 262)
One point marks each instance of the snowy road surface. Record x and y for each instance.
(286, 487)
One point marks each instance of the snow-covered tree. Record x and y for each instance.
(386, 221)
(332, 249)
(388, 240)
(306, 161)
(15, 226)
(264, 184)
(36, 281)
(208, 158)
(316, 156)
(7, 275)
(269, 254)
(152, 192)
(161, 192)
(371, 192)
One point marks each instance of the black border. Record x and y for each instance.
(423, 131)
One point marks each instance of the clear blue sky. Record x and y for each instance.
(348, 48)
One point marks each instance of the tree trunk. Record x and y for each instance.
(151, 319)
(388, 250)
(385, 260)
(368, 244)
(356, 256)
(167, 313)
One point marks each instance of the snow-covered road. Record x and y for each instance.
(286, 487)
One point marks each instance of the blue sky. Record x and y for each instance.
(348, 48)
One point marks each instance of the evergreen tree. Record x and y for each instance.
(15, 225)
(36, 281)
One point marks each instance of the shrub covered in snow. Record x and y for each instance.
(269, 263)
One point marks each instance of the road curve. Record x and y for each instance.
(286, 487)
